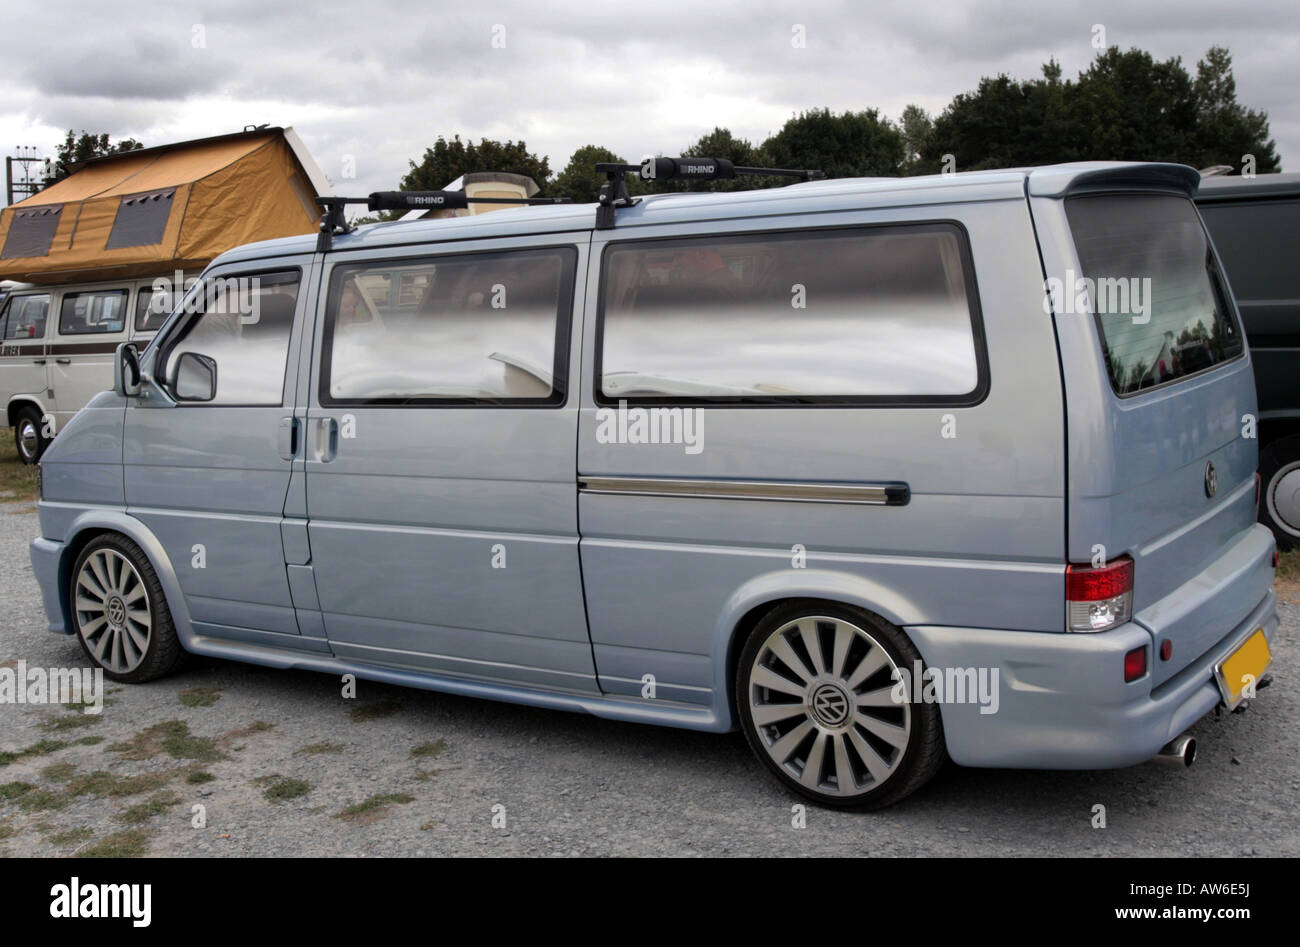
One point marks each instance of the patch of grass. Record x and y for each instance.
(101, 784)
(72, 836)
(15, 476)
(144, 811)
(172, 737)
(39, 748)
(316, 749)
(90, 741)
(199, 696)
(59, 772)
(7, 830)
(374, 804)
(1288, 567)
(32, 798)
(15, 790)
(72, 721)
(284, 789)
(430, 751)
(376, 711)
(196, 777)
(131, 843)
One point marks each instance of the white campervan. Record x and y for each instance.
(56, 348)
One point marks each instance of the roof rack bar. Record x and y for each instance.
(614, 194)
(333, 221)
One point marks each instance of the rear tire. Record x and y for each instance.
(813, 693)
(29, 435)
(1279, 498)
(119, 613)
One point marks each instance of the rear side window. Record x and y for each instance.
(27, 318)
(474, 328)
(862, 316)
(103, 310)
(1155, 293)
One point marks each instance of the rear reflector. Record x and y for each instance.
(1135, 664)
(1099, 599)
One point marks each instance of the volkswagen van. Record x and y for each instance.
(882, 472)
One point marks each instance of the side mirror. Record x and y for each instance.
(126, 370)
(196, 377)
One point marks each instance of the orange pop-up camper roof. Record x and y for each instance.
(152, 211)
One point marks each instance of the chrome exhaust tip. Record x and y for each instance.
(1180, 751)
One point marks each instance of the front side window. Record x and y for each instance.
(869, 315)
(91, 313)
(243, 323)
(1155, 292)
(26, 318)
(471, 328)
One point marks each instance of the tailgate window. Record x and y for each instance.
(1156, 295)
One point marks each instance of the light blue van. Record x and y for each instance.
(881, 471)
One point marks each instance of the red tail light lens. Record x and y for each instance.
(1099, 599)
(1135, 664)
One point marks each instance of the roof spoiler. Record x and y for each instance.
(1063, 180)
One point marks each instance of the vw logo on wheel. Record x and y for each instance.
(1211, 480)
(830, 705)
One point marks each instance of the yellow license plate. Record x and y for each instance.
(1243, 667)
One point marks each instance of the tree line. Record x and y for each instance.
(1124, 106)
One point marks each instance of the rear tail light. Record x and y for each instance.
(1135, 664)
(1099, 599)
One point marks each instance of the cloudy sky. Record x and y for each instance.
(376, 81)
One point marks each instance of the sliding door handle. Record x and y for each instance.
(287, 438)
(326, 447)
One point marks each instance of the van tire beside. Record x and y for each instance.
(119, 613)
(29, 435)
(801, 675)
(1279, 499)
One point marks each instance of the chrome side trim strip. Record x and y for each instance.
(871, 494)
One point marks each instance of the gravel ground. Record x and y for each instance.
(430, 771)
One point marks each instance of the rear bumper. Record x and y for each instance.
(46, 555)
(1062, 702)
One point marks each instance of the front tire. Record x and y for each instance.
(1279, 474)
(29, 435)
(119, 613)
(815, 699)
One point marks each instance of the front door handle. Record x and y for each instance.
(287, 438)
(38, 361)
(327, 440)
(64, 361)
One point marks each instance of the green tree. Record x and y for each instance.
(580, 182)
(448, 160)
(1124, 106)
(78, 148)
(851, 144)
(918, 128)
(1227, 131)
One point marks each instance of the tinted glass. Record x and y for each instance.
(870, 314)
(243, 323)
(1154, 291)
(475, 327)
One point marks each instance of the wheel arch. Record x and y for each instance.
(757, 597)
(18, 402)
(95, 523)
